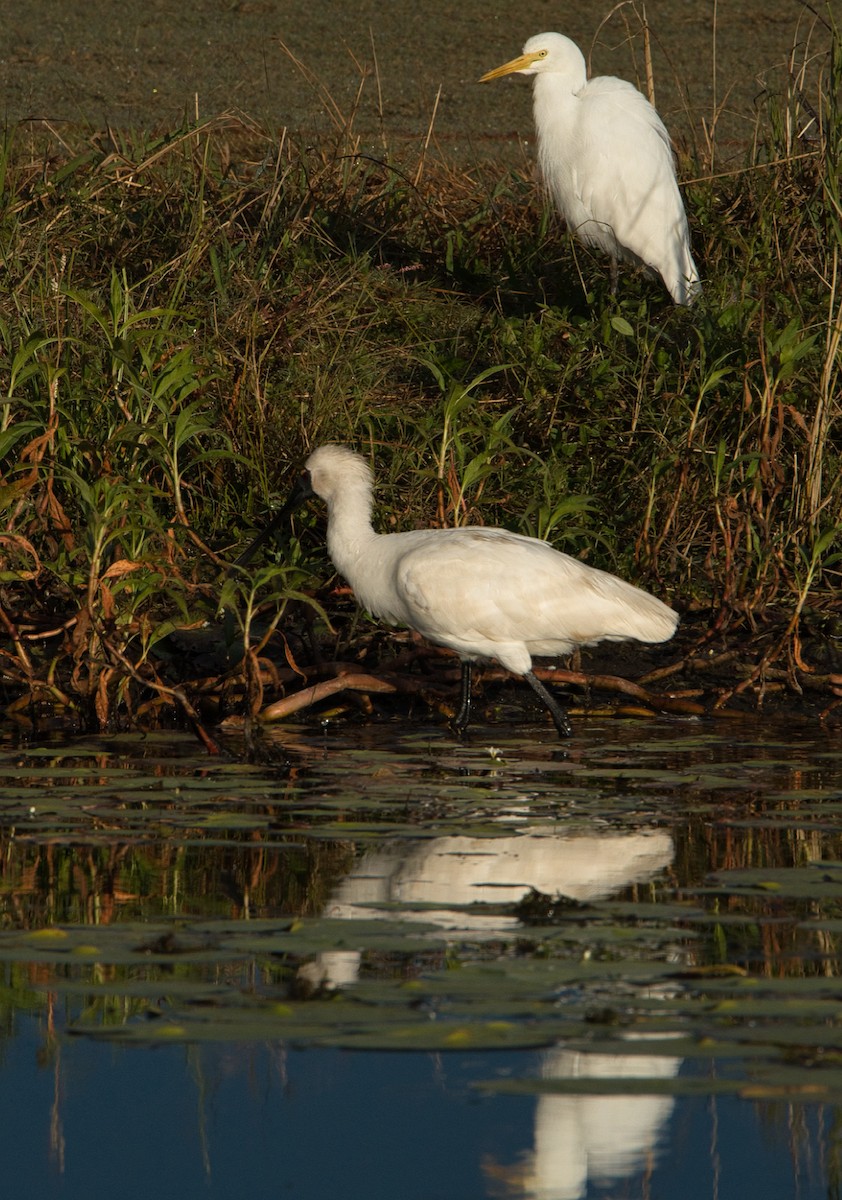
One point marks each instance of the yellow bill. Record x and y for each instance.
(521, 63)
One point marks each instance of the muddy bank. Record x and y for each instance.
(151, 63)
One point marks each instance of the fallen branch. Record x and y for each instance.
(615, 683)
(394, 683)
(309, 696)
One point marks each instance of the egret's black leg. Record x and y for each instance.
(558, 714)
(615, 275)
(460, 721)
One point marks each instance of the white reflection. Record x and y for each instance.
(579, 1139)
(456, 871)
(594, 1139)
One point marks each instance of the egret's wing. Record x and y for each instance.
(624, 155)
(630, 109)
(626, 175)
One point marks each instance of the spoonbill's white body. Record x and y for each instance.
(606, 158)
(485, 593)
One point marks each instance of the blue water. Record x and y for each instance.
(82, 1119)
(262, 1121)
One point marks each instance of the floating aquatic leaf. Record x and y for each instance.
(817, 882)
(210, 882)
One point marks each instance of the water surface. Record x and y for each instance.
(373, 960)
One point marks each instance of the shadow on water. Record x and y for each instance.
(397, 964)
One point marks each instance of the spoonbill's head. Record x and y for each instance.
(333, 470)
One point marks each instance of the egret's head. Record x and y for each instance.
(552, 52)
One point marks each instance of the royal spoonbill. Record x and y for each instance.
(485, 593)
(606, 158)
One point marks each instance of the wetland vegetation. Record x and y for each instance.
(652, 909)
(186, 315)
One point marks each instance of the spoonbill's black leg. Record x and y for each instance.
(557, 712)
(460, 721)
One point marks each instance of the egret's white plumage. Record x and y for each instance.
(485, 593)
(606, 157)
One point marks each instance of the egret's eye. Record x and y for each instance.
(542, 53)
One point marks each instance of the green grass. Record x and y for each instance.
(184, 317)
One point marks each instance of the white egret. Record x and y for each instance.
(485, 593)
(606, 158)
